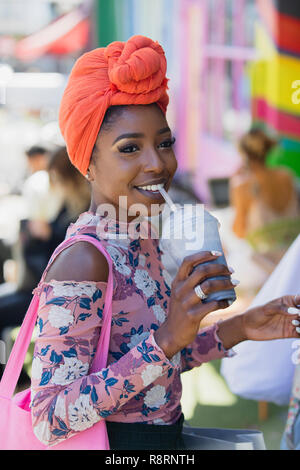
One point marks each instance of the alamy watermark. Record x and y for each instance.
(186, 223)
(296, 93)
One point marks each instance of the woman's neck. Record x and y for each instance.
(119, 214)
(257, 168)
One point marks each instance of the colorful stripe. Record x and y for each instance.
(284, 123)
(273, 78)
(284, 28)
(286, 157)
(275, 94)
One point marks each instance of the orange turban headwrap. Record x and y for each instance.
(123, 73)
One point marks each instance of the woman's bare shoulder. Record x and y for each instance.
(79, 262)
(240, 178)
(284, 173)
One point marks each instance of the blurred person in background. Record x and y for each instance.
(33, 189)
(39, 237)
(37, 158)
(42, 200)
(265, 201)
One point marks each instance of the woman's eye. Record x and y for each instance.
(168, 143)
(128, 148)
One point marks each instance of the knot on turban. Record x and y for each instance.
(127, 73)
(138, 66)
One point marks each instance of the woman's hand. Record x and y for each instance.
(273, 320)
(186, 309)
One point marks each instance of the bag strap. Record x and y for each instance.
(17, 356)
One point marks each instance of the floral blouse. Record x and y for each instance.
(139, 383)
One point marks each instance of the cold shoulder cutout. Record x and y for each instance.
(81, 261)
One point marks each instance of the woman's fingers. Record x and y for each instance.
(208, 287)
(206, 271)
(292, 314)
(296, 300)
(293, 326)
(288, 307)
(296, 325)
(200, 311)
(291, 301)
(291, 311)
(191, 261)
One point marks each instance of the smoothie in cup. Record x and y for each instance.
(190, 229)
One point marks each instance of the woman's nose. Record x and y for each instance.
(154, 162)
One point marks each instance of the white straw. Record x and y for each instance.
(168, 200)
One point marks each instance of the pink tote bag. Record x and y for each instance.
(16, 431)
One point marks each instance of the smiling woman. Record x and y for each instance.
(113, 110)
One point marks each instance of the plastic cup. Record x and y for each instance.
(191, 230)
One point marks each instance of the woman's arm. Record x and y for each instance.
(207, 347)
(273, 320)
(240, 201)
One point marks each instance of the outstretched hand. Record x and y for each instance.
(277, 319)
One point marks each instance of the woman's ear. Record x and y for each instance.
(90, 174)
(92, 169)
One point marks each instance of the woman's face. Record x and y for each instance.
(134, 152)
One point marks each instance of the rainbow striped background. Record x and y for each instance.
(275, 78)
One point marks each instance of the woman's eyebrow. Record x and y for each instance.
(128, 136)
(136, 135)
(164, 130)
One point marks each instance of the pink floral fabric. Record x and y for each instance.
(139, 383)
